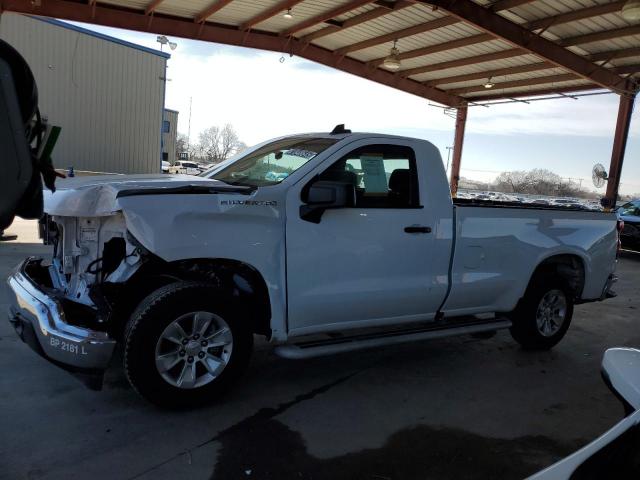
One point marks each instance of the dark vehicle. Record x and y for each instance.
(629, 213)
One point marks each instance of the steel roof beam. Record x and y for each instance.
(462, 62)
(600, 36)
(531, 67)
(152, 7)
(507, 4)
(627, 69)
(613, 54)
(489, 57)
(566, 77)
(439, 47)
(211, 9)
(548, 22)
(210, 32)
(323, 17)
(532, 93)
(519, 36)
(432, 25)
(269, 12)
(485, 37)
(405, 32)
(357, 20)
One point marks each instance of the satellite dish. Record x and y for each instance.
(599, 175)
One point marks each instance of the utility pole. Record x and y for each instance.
(189, 130)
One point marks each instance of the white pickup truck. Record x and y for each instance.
(322, 243)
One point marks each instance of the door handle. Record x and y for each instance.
(417, 229)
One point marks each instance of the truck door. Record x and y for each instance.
(383, 261)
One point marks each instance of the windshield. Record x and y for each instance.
(273, 162)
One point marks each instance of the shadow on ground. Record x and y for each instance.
(261, 447)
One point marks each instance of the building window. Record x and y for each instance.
(166, 126)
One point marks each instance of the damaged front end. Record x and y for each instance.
(59, 307)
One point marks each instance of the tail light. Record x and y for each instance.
(620, 227)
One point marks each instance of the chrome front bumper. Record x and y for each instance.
(40, 322)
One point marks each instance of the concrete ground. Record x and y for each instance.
(458, 408)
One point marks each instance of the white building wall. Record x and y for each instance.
(107, 97)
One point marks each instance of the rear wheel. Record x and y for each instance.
(543, 316)
(184, 345)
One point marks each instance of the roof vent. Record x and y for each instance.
(339, 130)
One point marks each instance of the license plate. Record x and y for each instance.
(67, 347)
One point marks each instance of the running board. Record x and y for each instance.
(332, 346)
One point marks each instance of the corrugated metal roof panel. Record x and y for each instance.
(238, 12)
(387, 24)
(518, 90)
(609, 45)
(182, 8)
(493, 65)
(301, 11)
(433, 37)
(505, 78)
(625, 61)
(134, 4)
(520, 76)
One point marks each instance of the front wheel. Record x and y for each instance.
(543, 316)
(184, 345)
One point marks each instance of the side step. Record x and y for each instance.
(332, 346)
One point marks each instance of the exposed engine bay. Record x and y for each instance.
(88, 252)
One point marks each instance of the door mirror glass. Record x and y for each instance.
(322, 195)
(621, 373)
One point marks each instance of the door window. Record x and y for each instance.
(384, 176)
(630, 209)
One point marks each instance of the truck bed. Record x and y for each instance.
(473, 202)
(497, 247)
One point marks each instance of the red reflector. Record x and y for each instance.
(620, 225)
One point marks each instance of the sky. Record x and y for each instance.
(265, 94)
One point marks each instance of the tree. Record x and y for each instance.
(537, 181)
(512, 182)
(216, 144)
(182, 144)
(543, 182)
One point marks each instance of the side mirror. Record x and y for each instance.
(322, 195)
(621, 373)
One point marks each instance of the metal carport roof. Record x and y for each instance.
(454, 52)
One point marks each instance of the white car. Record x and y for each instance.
(165, 166)
(616, 453)
(296, 239)
(185, 167)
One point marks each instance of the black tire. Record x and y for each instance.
(525, 328)
(148, 322)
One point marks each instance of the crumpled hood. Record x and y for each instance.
(96, 196)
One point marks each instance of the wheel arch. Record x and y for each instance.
(569, 266)
(240, 281)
